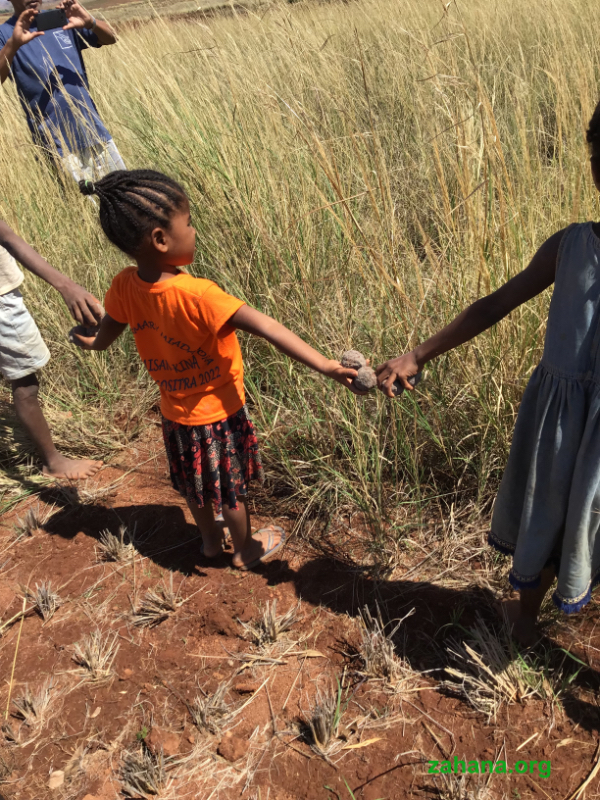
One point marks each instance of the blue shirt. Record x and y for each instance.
(53, 88)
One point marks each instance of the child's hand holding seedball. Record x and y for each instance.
(398, 374)
(84, 336)
(367, 378)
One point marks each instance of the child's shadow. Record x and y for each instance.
(158, 532)
(441, 614)
(429, 609)
(162, 534)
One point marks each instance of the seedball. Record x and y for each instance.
(353, 360)
(366, 378)
(398, 388)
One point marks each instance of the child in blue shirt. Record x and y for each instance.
(52, 84)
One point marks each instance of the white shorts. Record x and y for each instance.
(92, 163)
(22, 349)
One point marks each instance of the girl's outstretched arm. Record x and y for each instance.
(475, 319)
(109, 330)
(253, 321)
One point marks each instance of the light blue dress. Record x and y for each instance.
(548, 506)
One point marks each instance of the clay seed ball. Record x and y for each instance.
(352, 359)
(365, 380)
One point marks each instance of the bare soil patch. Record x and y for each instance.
(198, 707)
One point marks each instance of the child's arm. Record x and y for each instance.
(475, 319)
(82, 305)
(110, 330)
(252, 321)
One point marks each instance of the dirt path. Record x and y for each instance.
(84, 736)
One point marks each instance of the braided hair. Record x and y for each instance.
(593, 133)
(133, 202)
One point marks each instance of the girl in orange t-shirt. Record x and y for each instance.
(184, 330)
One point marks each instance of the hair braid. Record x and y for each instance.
(146, 207)
(132, 202)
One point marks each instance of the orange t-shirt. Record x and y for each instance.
(182, 336)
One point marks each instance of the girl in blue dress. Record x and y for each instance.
(547, 512)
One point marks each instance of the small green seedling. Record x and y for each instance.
(142, 734)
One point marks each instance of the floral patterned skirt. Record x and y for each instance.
(213, 463)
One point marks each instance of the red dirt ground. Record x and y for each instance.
(158, 671)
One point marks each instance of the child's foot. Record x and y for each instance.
(523, 629)
(73, 469)
(265, 543)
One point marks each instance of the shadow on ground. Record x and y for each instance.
(161, 532)
(163, 535)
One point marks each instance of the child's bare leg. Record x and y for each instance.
(25, 397)
(247, 548)
(523, 613)
(212, 533)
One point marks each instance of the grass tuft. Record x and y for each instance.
(45, 599)
(377, 649)
(33, 523)
(143, 772)
(211, 711)
(270, 626)
(8, 733)
(491, 672)
(157, 605)
(116, 548)
(322, 725)
(6, 765)
(461, 787)
(31, 708)
(96, 653)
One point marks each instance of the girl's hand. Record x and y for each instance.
(79, 335)
(344, 375)
(401, 368)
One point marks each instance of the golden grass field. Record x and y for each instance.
(361, 171)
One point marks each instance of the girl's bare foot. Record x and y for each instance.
(522, 628)
(73, 469)
(265, 543)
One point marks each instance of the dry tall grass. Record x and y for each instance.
(360, 171)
